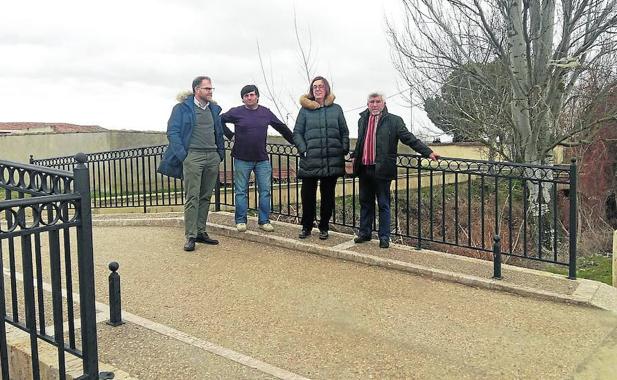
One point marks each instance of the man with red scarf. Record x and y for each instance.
(375, 163)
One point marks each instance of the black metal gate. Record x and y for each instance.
(45, 225)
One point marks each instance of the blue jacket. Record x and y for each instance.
(179, 130)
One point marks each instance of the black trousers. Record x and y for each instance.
(308, 193)
(372, 187)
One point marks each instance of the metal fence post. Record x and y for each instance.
(26, 249)
(573, 221)
(86, 269)
(497, 257)
(143, 177)
(419, 205)
(115, 301)
(4, 355)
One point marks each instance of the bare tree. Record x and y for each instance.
(547, 51)
(545, 48)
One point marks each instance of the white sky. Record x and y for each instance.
(120, 64)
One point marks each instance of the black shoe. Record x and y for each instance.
(384, 243)
(203, 237)
(189, 245)
(361, 239)
(304, 233)
(323, 234)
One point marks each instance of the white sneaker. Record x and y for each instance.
(267, 227)
(241, 227)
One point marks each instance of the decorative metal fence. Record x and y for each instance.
(45, 225)
(458, 204)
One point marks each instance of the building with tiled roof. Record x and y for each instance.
(28, 127)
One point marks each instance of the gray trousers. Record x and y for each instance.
(200, 171)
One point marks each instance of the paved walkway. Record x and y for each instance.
(268, 306)
(246, 309)
(425, 262)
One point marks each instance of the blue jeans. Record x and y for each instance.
(371, 188)
(263, 175)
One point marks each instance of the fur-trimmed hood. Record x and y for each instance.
(183, 95)
(309, 104)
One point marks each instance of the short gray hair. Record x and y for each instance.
(375, 95)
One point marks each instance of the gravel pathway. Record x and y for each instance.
(325, 318)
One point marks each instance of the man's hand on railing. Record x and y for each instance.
(434, 156)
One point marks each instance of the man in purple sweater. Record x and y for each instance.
(251, 123)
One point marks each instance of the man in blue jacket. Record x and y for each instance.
(195, 150)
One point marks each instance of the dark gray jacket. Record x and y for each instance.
(322, 138)
(390, 129)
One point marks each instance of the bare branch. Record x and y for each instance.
(269, 88)
(306, 65)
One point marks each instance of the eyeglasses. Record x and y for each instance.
(207, 88)
(319, 87)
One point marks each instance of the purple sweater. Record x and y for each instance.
(250, 131)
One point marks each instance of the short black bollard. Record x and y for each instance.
(115, 303)
(497, 257)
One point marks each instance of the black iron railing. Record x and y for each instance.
(43, 213)
(458, 205)
(126, 178)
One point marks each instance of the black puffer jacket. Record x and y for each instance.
(322, 138)
(390, 129)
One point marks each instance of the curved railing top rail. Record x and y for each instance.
(35, 180)
(103, 155)
(52, 171)
(462, 165)
(555, 173)
(501, 163)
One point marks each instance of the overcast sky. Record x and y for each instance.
(120, 64)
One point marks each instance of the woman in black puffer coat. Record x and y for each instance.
(322, 139)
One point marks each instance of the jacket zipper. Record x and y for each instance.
(327, 149)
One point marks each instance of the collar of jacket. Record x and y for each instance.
(190, 102)
(309, 104)
(366, 113)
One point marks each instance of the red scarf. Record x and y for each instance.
(368, 154)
